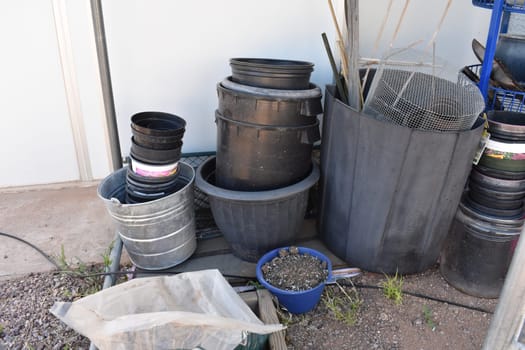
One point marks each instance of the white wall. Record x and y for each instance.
(168, 55)
(88, 80)
(453, 42)
(36, 145)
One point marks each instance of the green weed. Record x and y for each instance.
(255, 284)
(345, 309)
(62, 260)
(429, 317)
(393, 288)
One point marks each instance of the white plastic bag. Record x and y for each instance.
(185, 311)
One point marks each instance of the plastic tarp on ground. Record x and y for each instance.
(186, 311)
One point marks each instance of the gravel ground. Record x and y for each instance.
(376, 322)
(25, 319)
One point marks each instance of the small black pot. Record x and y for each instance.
(158, 124)
(155, 156)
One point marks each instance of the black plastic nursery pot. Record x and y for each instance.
(253, 157)
(138, 192)
(272, 73)
(155, 156)
(255, 222)
(155, 134)
(494, 181)
(478, 251)
(507, 125)
(501, 174)
(158, 124)
(157, 142)
(388, 193)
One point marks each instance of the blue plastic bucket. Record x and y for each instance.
(296, 302)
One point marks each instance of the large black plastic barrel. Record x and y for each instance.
(252, 157)
(389, 192)
(254, 108)
(478, 252)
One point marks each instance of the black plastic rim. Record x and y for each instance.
(500, 213)
(490, 202)
(157, 142)
(158, 123)
(154, 156)
(496, 194)
(272, 64)
(502, 174)
(151, 188)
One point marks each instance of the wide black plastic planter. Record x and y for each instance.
(388, 192)
(254, 223)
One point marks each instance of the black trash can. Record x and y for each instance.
(388, 193)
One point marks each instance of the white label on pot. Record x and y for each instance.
(506, 147)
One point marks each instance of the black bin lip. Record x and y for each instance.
(271, 64)
(171, 124)
(207, 169)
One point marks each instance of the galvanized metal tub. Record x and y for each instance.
(388, 192)
(158, 234)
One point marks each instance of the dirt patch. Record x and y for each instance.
(380, 323)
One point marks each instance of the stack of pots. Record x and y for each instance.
(266, 124)
(155, 152)
(266, 128)
(151, 202)
(489, 220)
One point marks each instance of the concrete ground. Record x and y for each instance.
(73, 217)
(50, 217)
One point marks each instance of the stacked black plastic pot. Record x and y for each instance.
(155, 152)
(266, 124)
(266, 128)
(489, 220)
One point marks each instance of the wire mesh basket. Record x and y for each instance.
(416, 90)
(498, 98)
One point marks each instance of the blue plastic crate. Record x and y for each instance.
(501, 99)
(498, 98)
(508, 5)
